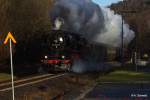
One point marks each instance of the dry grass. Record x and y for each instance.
(125, 76)
(5, 77)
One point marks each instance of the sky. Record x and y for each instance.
(106, 2)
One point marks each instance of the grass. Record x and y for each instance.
(5, 77)
(125, 76)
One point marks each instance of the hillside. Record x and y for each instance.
(24, 18)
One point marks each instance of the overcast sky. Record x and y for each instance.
(106, 2)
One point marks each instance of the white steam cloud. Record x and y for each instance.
(93, 22)
(111, 34)
(96, 24)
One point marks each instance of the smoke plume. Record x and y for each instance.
(89, 19)
(111, 34)
(80, 16)
(96, 24)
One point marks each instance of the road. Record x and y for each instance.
(119, 92)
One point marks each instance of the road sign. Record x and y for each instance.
(10, 36)
(11, 39)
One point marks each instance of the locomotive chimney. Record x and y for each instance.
(58, 23)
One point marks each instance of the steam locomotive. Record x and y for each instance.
(63, 48)
(58, 50)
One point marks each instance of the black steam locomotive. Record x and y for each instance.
(62, 49)
(58, 50)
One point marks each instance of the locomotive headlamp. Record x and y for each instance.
(61, 39)
(45, 57)
(63, 57)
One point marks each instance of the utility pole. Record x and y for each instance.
(122, 37)
(123, 12)
(122, 43)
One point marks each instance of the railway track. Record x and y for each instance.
(6, 86)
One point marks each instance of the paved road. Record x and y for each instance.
(120, 92)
